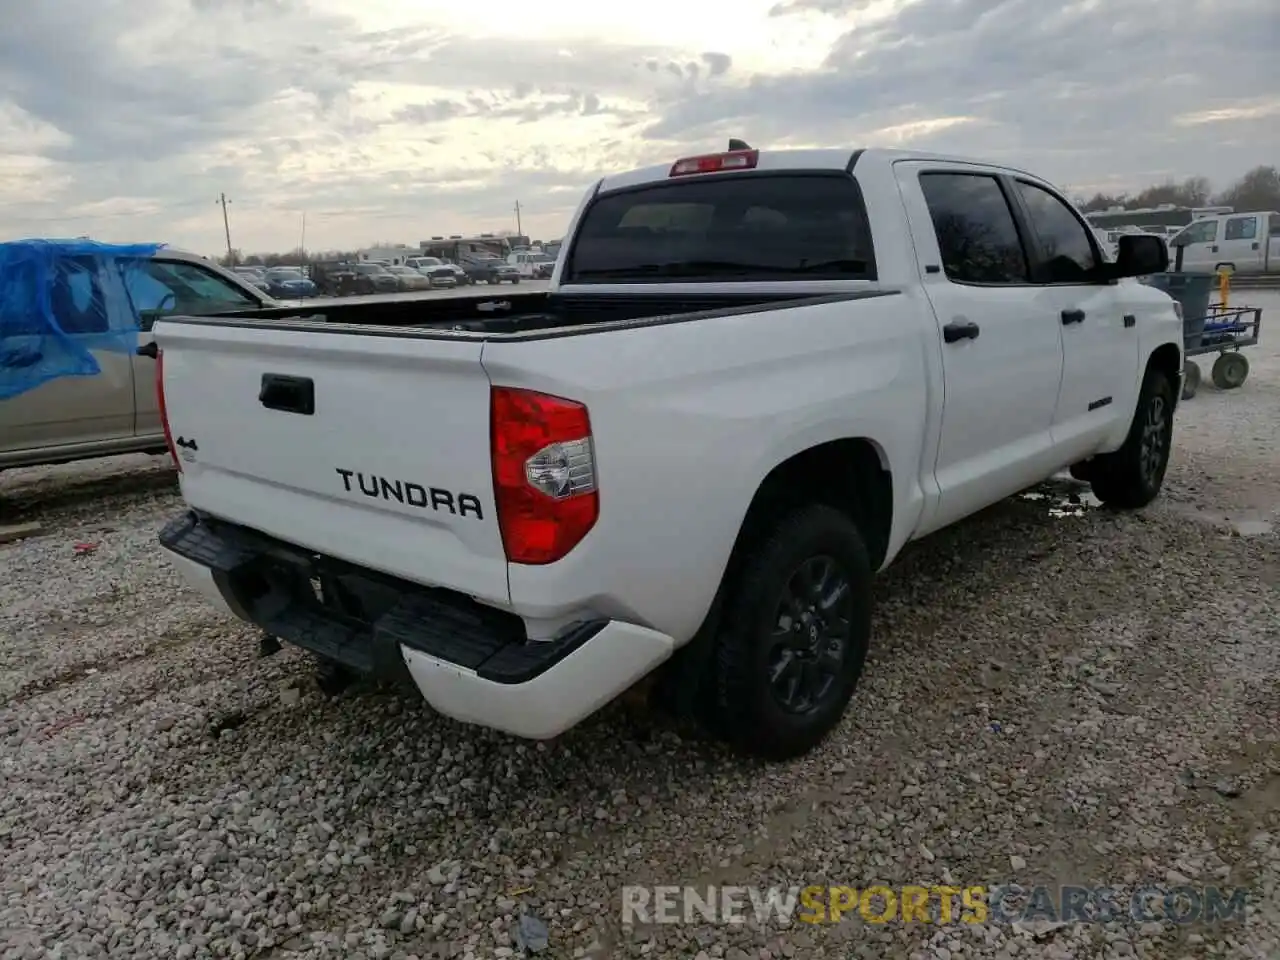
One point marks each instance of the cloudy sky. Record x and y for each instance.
(393, 120)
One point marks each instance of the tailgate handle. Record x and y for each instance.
(288, 394)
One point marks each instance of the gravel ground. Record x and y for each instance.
(1055, 696)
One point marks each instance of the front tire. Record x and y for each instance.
(1132, 477)
(796, 630)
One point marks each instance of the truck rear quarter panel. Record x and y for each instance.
(689, 417)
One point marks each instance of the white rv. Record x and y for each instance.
(389, 256)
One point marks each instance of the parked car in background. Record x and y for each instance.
(383, 282)
(289, 283)
(113, 411)
(256, 276)
(459, 274)
(440, 274)
(409, 279)
(490, 270)
(1245, 243)
(340, 279)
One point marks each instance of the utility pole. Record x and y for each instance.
(519, 228)
(302, 244)
(226, 226)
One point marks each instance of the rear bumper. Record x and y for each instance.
(552, 699)
(471, 662)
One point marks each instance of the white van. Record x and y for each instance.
(532, 263)
(1246, 242)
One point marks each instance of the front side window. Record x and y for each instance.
(1242, 228)
(172, 287)
(1202, 231)
(977, 237)
(1065, 246)
(767, 226)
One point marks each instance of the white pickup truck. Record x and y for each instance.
(755, 377)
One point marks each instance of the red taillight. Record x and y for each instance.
(164, 413)
(713, 162)
(544, 475)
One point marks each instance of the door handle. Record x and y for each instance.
(1214, 248)
(1072, 316)
(1254, 245)
(960, 330)
(1130, 320)
(288, 394)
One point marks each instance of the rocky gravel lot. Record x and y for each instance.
(1057, 695)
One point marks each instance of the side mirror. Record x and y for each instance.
(1138, 255)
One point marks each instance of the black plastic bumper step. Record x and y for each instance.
(359, 617)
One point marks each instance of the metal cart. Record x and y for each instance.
(1226, 331)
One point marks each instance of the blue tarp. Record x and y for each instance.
(60, 300)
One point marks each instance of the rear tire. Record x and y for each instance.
(796, 630)
(1132, 476)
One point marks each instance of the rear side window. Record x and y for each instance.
(75, 299)
(977, 237)
(1242, 228)
(768, 226)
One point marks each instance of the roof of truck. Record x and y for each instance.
(825, 158)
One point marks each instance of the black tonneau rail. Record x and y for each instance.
(520, 316)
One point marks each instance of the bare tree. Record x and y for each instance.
(1259, 189)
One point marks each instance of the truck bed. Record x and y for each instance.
(362, 430)
(520, 315)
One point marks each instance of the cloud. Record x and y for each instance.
(1078, 90)
(386, 120)
(789, 8)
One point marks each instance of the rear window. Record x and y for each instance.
(754, 227)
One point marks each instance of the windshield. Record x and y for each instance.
(753, 227)
(369, 268)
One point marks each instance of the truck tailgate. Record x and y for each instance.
(371, 449)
